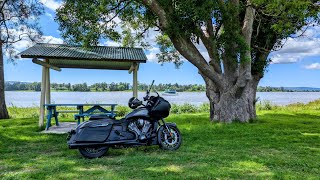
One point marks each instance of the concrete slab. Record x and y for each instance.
(63, 128)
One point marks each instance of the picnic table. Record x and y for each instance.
(94, 109)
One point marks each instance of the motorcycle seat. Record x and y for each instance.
(105, 118)
(99, 116)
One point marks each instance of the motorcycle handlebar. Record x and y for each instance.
(148, 92)
(151, 86)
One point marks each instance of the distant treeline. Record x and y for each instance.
(284, 89)
(99, 87)
(102, 87)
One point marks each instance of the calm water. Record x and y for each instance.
(25, 99)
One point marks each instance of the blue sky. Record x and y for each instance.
(297, 64)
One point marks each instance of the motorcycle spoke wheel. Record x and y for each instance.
(170, 140)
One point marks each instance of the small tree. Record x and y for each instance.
(18, 22)
(237, 35)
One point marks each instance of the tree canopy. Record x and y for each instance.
(18, 21)
(237, 35)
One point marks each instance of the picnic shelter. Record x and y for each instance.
(59, 56)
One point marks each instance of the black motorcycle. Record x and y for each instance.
(144, 126)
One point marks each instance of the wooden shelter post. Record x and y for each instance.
(48, 90)
(43, 96)
(135, 80)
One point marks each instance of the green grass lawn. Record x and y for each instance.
(283, 144)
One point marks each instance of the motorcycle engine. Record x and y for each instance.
(140, 127)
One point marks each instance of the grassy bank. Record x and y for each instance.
(283, 144)
(33, 112)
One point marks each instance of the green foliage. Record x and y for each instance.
(265, 105)
(167, 52)
(189, 108)
(20, 112)
(275, 21)
(122, 110)
(87, 23)
(122, 86)
(283, 144)
(22, 86)
(33, 112)
(19, 21)
(288, 16)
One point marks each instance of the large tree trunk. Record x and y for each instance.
(229, 106)
(3, 108)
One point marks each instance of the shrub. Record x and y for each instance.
(122, 110)
(174, 109)
(265, 105)
(205, 107)
(23, 112)
(189, 108)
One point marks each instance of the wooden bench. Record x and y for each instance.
(96, 109)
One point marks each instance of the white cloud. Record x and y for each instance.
(24, 44)
(52, 40)
(49, 15)
(111, 43)
(313, 66)
(296, 49)
(51, 4)
(152, 55)
(150, 38)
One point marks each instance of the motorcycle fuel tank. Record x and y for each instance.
(140, 112)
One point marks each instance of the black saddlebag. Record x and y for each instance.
(93, 131)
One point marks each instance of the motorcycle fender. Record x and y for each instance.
(168, 124)
(171, 124)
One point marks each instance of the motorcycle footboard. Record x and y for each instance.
(109, 143)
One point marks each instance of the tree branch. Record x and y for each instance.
(117, 12)
(159, 11)
(184, 45)
(245, 67)
(2, 5)
(191, 53)
(207, 39)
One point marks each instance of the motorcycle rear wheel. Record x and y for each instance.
(89, 152)
(169, 140)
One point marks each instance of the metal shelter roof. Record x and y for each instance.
(95, 57)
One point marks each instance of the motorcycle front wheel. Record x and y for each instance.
(169, 140)
(90, 152)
